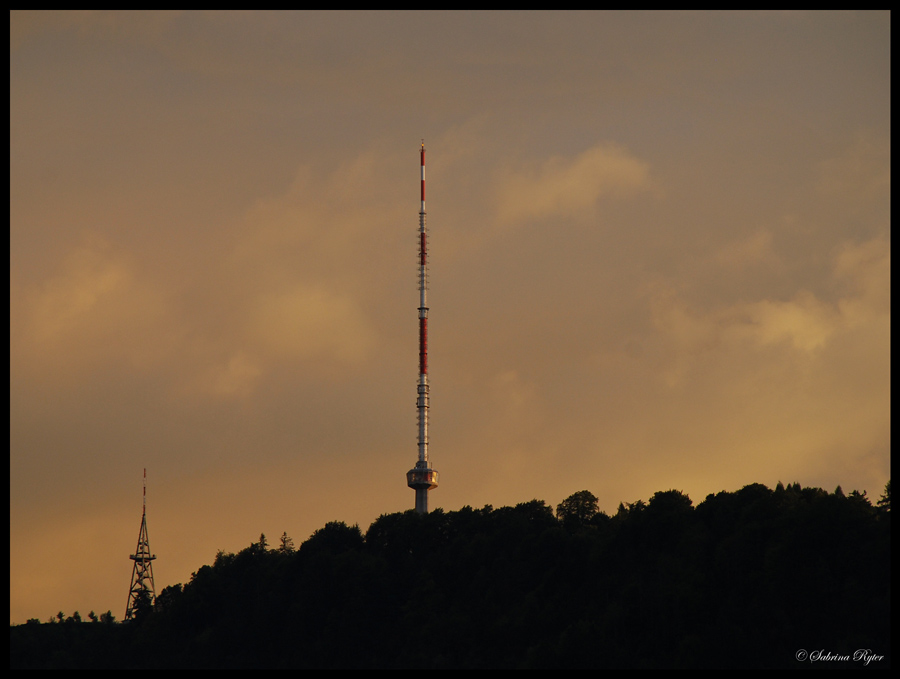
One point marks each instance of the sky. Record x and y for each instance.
(659, 259)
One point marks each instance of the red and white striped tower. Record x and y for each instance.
(422, 478)
(142, 573)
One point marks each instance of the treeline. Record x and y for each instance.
(747, 579)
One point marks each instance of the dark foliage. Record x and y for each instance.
(745, 580)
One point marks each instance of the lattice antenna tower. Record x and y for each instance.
(142, 573)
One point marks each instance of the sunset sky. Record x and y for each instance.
(659, 259)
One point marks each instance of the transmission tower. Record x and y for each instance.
(142, 573)
(422, 477)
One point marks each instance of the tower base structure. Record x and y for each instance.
(422, 479)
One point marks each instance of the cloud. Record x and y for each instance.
(804, 324)
(94, 307)
(793, 388)
(311, 323)
(237, 376)
(89, 279)
(755, 249)
(861, 173)
(865, 268)
(569, 187)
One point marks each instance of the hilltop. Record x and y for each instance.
(747, 579)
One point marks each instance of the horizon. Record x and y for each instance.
(273, 543)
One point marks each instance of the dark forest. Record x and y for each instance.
(757, 578)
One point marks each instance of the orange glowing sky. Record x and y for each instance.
(659, 258)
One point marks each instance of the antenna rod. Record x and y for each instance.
(423, 324)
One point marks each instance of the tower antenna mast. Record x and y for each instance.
(142, 573)
(422, 478)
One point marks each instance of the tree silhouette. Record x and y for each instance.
(334, 536)
(287, 544)
(661, 584)
(143, 605)
(262, 545)
(578, 509)
(884, 502)
(168, 598)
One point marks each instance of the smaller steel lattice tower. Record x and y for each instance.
(142, 573)
(422, 477)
